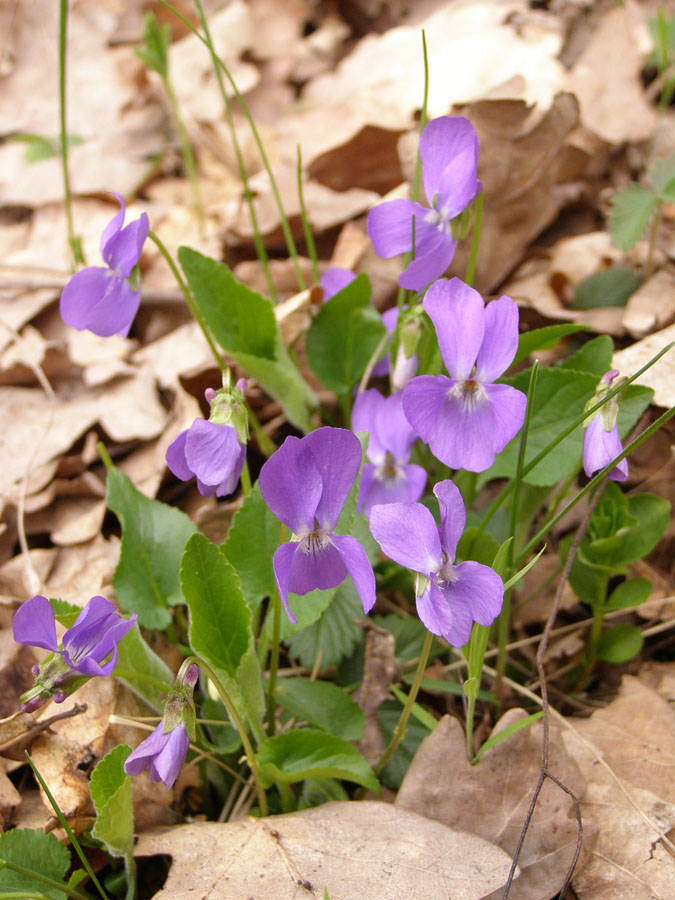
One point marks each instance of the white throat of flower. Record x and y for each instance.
(439, 220)
(470, 394)
(312, 542)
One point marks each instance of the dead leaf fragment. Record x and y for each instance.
(367, 850)
(492, 798)
(661, 376)
(652, 306)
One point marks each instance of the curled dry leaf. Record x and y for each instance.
(661, 376)
(380, 669)
(368, 850)
(492, 798)
(635, 736)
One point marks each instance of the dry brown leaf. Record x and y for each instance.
(10, 798)
(606, 77)
(15, 580)
(634, 736)
(492, 798)
(367, 850)
(661, 376)
(380, 669)
(83, 570)
(652, 306)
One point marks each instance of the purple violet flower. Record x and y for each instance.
(105, 300)
(466, 419)
(305, 484)
(601, 435)
(449, 598)
(334, 280)
(162, 753)
(388, 477)
(86, 644)
(449, 152)
(215, 450)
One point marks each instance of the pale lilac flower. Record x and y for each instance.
(449, 598)
(449, 152)
(388, 477)
(105, 300)
(213, 450)
(305, 484)
(466, 419)
(162, 754)
(601, 435)
(334, 280)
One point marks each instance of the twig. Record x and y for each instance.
(541, 653)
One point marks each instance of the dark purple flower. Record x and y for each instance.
(334, 279)
(601, 436)
(105, 300)
(162, 753)
(305, 484)
(87, 643)
(449, 598)
(466, 419)
(213, 450)
(449, 152)
(388, 477)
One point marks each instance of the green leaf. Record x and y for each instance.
(317, 791)
(220, 622)
(632, 208)
(419, 712)
(478, 547)
(620, 643)
(611, 287)
(39, 147)
(41, 853)
(243, 323)
(544, 338)
(153, 536)
(303, 753)
(409, 635)
(514, 579)
(64, 612)
(652, 515)
(560, 398)
(662, 175)
(110, 789)
(252, 538)
(630, 593)
(323, 704)
(513, 728)
(343, 336)
(156, 38)
(142, 670)
(334, 633)
(594, 356)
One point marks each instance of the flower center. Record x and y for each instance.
(314, 542)
(470, 393)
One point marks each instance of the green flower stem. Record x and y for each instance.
(36, 876)
(470, 273)
(372, 362)
(265, 443)
(238, 724)
(561, 437)
(73, 240)
(399, 730)
(187, 153)
(592, 651)
(192, 306)
(219, 64)
(597, 478)
(274, 660)
(22, 895)
(504, 621)
(306, 227)
(130, 867)
(73, 840)
(258, 242)
(245, 478)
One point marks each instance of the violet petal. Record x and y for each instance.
(334, 280)
(114, 226)
(601, 447)
(84, 288)
(407, 533)
(443, 139)
(175, 457)
(153, 744)
(431, 261)
(423, 403)
(459, 184)
(34, 624)
(291, 484)
(365, 417)
(355, 560)
(390, 226)
(434, 611)
(337, 457)
(165, 766)
(480, 588)
(395, 432)
(282, 563)
(453, 516)
(500, 340)
(508, 406)
(123, 250)
(212, 451)
(458, 314)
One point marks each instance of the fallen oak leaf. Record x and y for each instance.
(18, 731)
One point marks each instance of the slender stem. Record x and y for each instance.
(69, 831)
(274, 660)
(187, 153)
(239, 725)
(258, 242)
(265, 442)
(592, 651)
(306, 227)
(130, 866)
(189, 299)
(399, 730)
(372, 362)
(656, 221)
(245, 478)
(475, 241)
(73, 240)
(36, 876)
(563, 434)
(22, 895)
